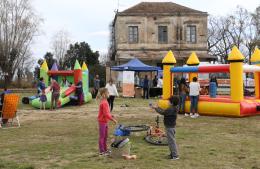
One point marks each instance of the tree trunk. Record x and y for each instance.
(8, 79)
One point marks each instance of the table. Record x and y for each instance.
(155, 91)
(138, 92)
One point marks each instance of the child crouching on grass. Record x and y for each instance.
(103, 117)
(170, 116)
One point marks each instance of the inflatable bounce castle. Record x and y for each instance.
(235, 105)
(67, 93)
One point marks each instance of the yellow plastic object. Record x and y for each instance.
(256, 56)
(257, 84)
(235, 55)
(44, 66)
(192, 75)
(236, 81)
(167, 82)
(168, 62)
(216, 108)
(163, 104)
(84, 66)
(236, 74)
(193, 59)
(255, 59)
(169, 58)
(44, 72)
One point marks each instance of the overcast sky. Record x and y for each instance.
(88, 20)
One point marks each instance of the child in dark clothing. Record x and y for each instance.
(79, 92)
(170, 116)
(2, 96)
(43, 99)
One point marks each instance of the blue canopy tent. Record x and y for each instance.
(135, 65)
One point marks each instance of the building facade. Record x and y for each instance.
(148, 30)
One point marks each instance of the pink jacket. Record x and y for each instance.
(104, 112)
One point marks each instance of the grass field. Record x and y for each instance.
(67, 138)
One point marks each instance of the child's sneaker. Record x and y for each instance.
(103, 154)
(108, 152)
(197, 115)
(193, 116)
(186, 114)
(175, 158)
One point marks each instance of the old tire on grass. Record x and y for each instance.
(136, 128)
(155, 140)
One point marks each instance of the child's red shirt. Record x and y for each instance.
(104, 112)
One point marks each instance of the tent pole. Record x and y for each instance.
(110, 72)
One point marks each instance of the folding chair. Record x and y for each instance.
(9, 111)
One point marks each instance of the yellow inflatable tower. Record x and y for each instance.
(193, 61)
(255, 60)
(168, 62)
(44, 73)
(236, 74)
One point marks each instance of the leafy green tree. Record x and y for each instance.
(82, 52)
(94, 70)
(36, 73)
(50, 61)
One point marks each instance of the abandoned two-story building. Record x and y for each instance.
(148, 30)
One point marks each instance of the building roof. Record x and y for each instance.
(160, 7)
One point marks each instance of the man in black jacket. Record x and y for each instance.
(170, 116)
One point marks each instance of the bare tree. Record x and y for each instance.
(250, 38)
(60, 46)
(257, 18)
(112, 43)
(19, 23)
(104, 59)
(238, 24)
(234, 29)
(256, 21)
(22, 70)
(219, 41)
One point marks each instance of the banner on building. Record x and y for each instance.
(128, 84)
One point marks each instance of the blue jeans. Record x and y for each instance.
(194, 104)
(146, 93)
(182, 102)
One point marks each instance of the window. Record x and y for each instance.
(191, 34)
(133, 34)
(162, 34)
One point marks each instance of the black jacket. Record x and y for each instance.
(170, 115)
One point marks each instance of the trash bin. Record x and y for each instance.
(120, 147)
